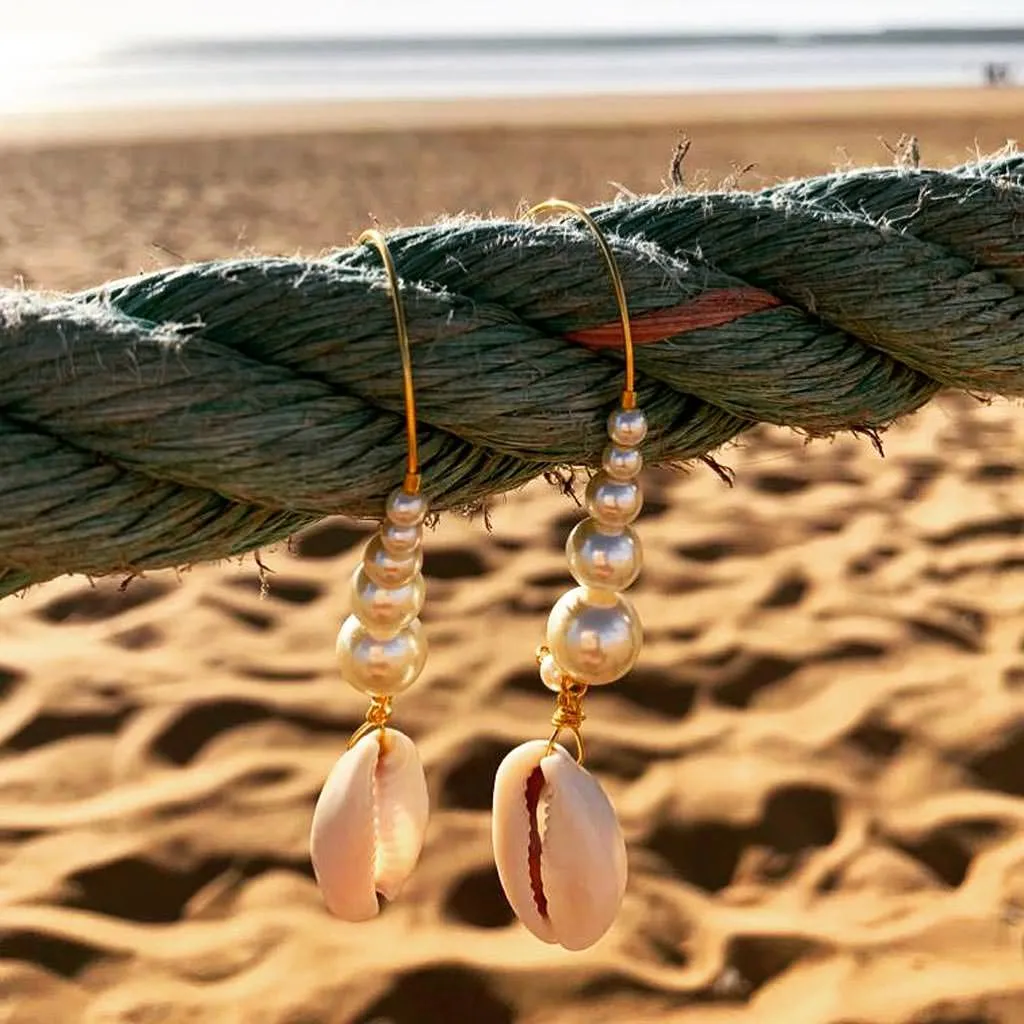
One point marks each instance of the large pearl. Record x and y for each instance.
(613, 503)
(595, 636)
(385, 610)
(622, 463)
(405, 509)
(608, 561)
(387, 569)
(380, 668)
(627, 427)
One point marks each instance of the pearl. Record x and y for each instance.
(380, 668)
(385, 610)
(550, 674)
(611, 502)
(400, 540)
(405, 509)
(595, 643)
(608, 561)
(627, 427)
(388, 570)
(622, 463)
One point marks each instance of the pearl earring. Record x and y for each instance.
(560, 853)
(371, 816)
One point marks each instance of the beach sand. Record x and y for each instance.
(819, 763)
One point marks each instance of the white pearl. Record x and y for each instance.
(405, 509)
(609, 561)
(400, 540)
(627, 427)
(622, 463)
(387, 569)
(380, 668)
(550, 674)
(595, 636)
(611, 502)
(385, 610)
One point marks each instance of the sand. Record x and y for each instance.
(819, 763)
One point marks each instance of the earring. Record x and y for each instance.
(371, 816)
(560, 853)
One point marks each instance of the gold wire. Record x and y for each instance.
(377, 715)
(412, 475)
(380, 709)
(629, 392)
(568, 715)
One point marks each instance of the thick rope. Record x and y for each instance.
(203, 411)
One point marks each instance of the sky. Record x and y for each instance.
(86, 20)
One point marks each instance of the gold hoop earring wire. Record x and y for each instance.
(569, 715)
(376, 238)
(381, 706)
(629, 391)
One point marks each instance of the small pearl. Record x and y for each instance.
(388, 570)
(550, 674)
(622, 463)
(380, 668)
(405, 509)
(400, 540)
(627, 427)
(613, 502)
(609, 561)
(385, 610)
(594, 643)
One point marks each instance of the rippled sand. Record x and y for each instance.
(819, 763)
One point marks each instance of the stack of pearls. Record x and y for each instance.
(594, 634)
(381, 647)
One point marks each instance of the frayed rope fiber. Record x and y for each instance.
(206, 410)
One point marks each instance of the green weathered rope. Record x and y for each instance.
(206, 410)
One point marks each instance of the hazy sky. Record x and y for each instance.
(133, 18)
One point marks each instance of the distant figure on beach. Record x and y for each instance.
(997, 73)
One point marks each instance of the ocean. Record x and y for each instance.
(186, 74)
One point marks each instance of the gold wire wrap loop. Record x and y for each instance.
(377, 715)
(377, 240)
(629, 392)
(569, 717)
(568, 714)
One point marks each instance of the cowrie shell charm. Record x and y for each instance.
(369, 823)
(558, 847)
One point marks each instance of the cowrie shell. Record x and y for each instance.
(369, 823)
(558, 847)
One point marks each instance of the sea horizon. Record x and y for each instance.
(197, 72)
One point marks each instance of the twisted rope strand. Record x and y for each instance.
(206, 410)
